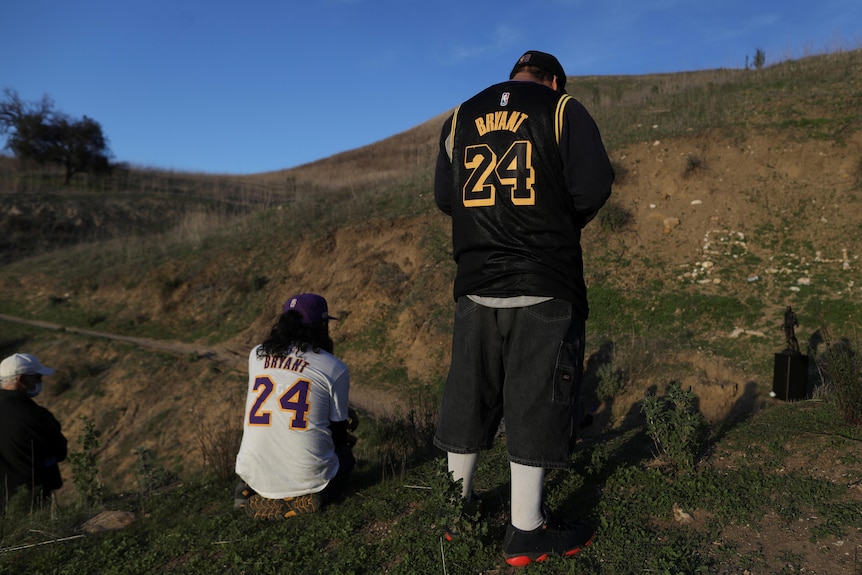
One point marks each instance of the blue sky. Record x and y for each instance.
(259, 85)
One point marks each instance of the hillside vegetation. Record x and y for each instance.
(737, 194)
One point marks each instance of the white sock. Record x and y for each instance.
(527, 485)
(463, 467)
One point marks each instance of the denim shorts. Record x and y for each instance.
(522, 364)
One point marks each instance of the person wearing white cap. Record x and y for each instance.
(31, 438)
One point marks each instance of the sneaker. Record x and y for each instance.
(241, 495)
(273, 509)
(564, 538)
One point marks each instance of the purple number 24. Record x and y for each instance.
(294, 400)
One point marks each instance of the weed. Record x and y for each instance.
(400, 439)
(621, 172)
(675, 425)
(611, 382)
(614, 218)
(20, 504)
(692, 164)
(459, 515)
(151, 475)
(840, 365)
(85, 464)
(219, 444)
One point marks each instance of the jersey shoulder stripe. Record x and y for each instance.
(450, 139)
(558, 120)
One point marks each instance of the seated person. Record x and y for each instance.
(31, 439)
(296, 445)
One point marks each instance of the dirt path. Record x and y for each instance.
(374, 402)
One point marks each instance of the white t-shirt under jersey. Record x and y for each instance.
(287, 447)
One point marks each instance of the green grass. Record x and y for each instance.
(390, 522)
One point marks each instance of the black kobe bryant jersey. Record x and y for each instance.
(513, 216)
(505, 141)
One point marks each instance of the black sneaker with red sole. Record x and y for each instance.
(566, 538)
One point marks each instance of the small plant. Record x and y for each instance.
(401, 438)
(621, 172)
(458, 515)
(841, 367)
(614, 218)
(692, 164)
(612, 380)
(18, 505)
(151, 475)
(675, 425)
(85, 464)
(759, 59)
(219, 445)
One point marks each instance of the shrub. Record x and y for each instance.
(841, 368)
(614, 218)
(621, 172)
(612, 380)
(151, 475)
(457, 514)
(675, 425)
(219, 444)
(85, 464)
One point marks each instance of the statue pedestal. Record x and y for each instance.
(790, 376)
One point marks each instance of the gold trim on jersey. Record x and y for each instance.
(450, 139)
(558, 120)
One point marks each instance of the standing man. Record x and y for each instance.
(296, 444)
(31, 439)
(521, 170)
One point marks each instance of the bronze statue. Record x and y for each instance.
(790, 325)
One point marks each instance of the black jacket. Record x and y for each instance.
(31, 445)
(521, 169)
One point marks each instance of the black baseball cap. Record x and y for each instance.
(544, 61)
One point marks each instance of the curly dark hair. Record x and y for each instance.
(290, 332)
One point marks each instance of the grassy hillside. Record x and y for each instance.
(738, 194)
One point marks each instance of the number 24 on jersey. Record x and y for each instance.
(514, 171)
(293, 401)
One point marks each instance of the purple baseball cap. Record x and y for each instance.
(310, 306)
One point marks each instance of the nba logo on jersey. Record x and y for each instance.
(504, 99)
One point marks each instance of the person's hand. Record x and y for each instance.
(351, 439)
(352, 419)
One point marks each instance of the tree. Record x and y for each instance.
(759, 59)
(39, 133)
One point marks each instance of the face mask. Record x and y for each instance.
(35, 391)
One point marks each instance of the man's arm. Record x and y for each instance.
(589, 175)
(48, 434)
(443, 176)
